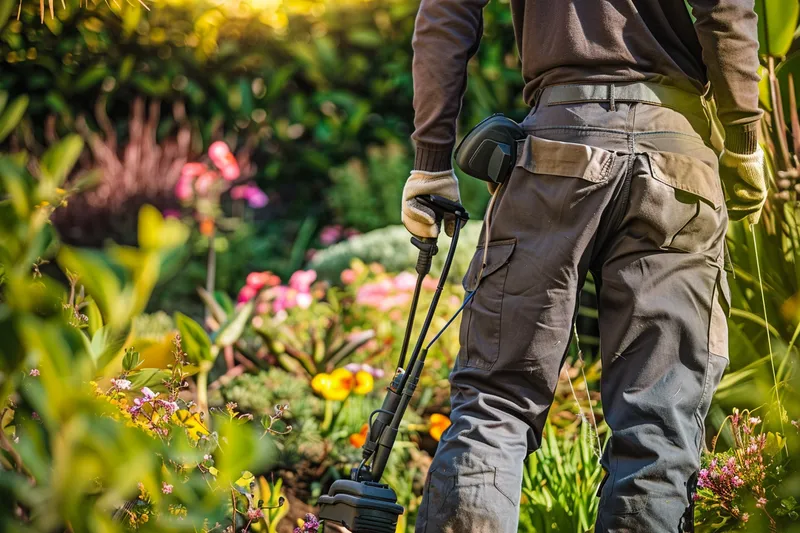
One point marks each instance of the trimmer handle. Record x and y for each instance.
(443, 207)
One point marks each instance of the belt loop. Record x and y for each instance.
(611, 103)
(537, 96)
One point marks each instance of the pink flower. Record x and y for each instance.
(755, 420)
(761, 502)
(204, 182)
(34, 372)
(349, 276)
(330, 234)
(285, 298)
(218, 152)
(247, 293)
(192, 170)
(303, 300)
(224, 160)
(405, 281)
(254, 514)
(231, 170)
(302, 279)
(745, 517)
(262, 308)
(183, 189)
(166, 488)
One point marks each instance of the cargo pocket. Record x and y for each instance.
(564, 159)
(683, 205)
(476, 499)
(480, 342)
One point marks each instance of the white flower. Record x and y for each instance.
(121, 384)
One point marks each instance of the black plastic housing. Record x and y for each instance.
(488, 152)
(361, 507)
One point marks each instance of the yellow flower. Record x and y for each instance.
(439, 423)
(321, 382)
(357, 440)
(335, 386)
(364, 383)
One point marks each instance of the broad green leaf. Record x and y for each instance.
(94, 316)
(12, 115)
(107, 343)
(6, 7)
(194, 339)
(777, 21)
(219, 314)
(156, 233)
(58, 160)
(149, 377)
(230, 332)
(97, 277)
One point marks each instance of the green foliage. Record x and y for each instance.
(75, 454)
(560, 482)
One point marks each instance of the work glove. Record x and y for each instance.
(744, 179)
(419, 220)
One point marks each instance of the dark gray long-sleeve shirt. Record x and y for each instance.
(590, 41)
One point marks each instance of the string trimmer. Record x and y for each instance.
(362, 503)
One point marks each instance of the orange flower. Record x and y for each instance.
(439, 423)
(364, 383)
(358, 439)
(207, 227)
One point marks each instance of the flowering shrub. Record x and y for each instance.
(737, 486)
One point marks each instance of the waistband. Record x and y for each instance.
(611, 93)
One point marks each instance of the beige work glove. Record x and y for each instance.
(419, 220)
(744, 179)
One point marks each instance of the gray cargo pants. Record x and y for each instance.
(630, 192)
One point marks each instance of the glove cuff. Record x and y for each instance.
(742, 138)
(433, 158)
(751, 162)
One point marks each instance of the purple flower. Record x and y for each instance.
(330, 234)
(148, 394)
(255, 197)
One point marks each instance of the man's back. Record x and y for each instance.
(607, 41)
(591, 41)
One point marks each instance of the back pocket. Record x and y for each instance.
(481, 324)
(682, 205)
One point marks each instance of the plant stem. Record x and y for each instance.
(211, 269)
(202, 391)
(326, 422)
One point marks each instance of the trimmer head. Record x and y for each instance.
(361, 506)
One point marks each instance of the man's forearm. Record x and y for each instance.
(446, 35)
(728, 33)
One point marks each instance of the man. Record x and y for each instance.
(616, 177)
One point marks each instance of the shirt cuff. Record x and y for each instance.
(433, 158)
(742, 138)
